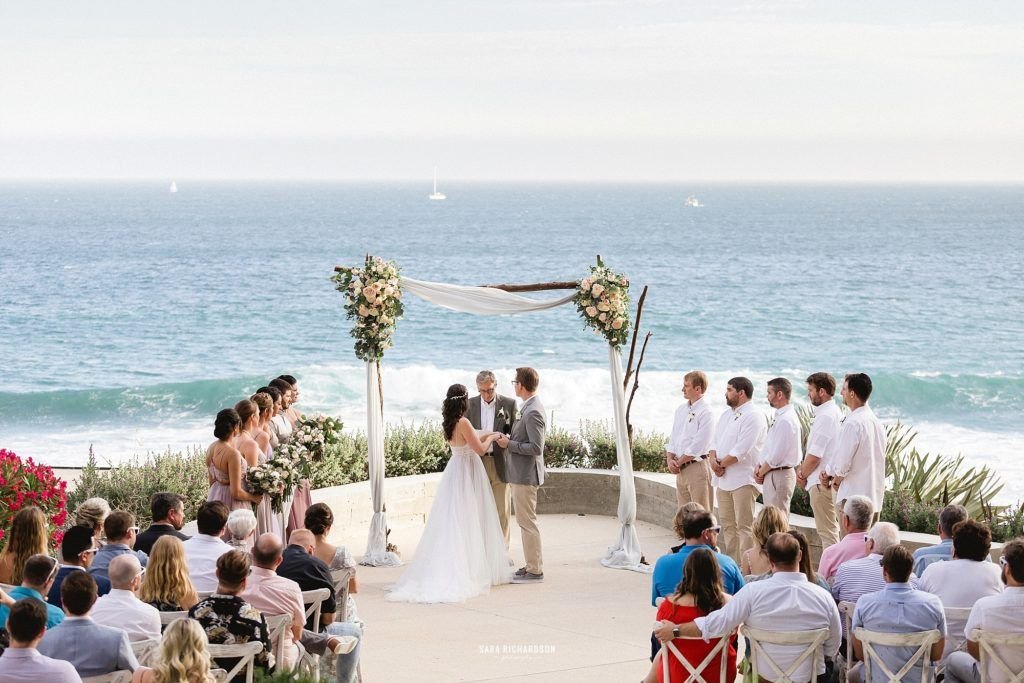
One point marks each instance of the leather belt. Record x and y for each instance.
(701, 458)
(784, 467)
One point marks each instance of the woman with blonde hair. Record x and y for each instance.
(182, 656)
(166, 584)
(769, 520)
(91, 514)
(29, 536)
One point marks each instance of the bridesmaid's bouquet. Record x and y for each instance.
(296, 455)
(315, 433)
(275, 478)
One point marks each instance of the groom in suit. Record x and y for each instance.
(524, 470)
(493, 412)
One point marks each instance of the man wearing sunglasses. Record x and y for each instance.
(76, 553)
(121, 532)
(36, 581)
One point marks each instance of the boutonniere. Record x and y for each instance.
(692, 415)
(736, 417)
(502, 414)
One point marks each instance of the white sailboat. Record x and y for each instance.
(436, 194)
(693, 202)
(173, 188)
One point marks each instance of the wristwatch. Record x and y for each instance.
(675, 632)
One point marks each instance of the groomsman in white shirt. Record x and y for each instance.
(821, 387)
(857, 465)
(686, 452)
(779, 458)
(738, 440)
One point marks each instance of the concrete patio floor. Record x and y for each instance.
(584, 623)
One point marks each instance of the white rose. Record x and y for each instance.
(596, 290)
(585, 285)
(602, 317)
(602, 306)
(617, 324)
(591, 311)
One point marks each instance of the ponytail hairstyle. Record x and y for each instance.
(228, 424)
(455, 405)
(246, 408)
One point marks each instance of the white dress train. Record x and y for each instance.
(461, 553)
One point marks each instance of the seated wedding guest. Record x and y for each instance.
(22, 662)
(965, 579)
(786, 602)
(203, 549)
(120, 530)
(769, 520)
(168, 511)
(93, 649)
(1002, 613)
(320, 520)
(241, 525)
(76, 551)
(697, 595)
(91, 514)
(273, 595)
(166, 584)
(863, 575)
(36, 581)
(698, 530)
(855, 521)
(950, 516)
(28, 536)
(227, 618)
(182, 656)
(805, 562)
(311, 573)
(225, 466)
(121, 607)
(897, 608)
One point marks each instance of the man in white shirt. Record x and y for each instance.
(786, 602)
(686, 453)
(737, 442)
(1003, 613)
(203, 549)
(857, 464)
(777, 462)
(121, 607)
(821, 387)
(22, 661)
(965, 579)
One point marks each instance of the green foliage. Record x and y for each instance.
(130, 485)
(408, 449)
(1006, 522)
(801, 503)
(594, 447)
(280, 676)
(562, 448)
(906, 511)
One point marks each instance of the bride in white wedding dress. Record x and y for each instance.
(461, 553)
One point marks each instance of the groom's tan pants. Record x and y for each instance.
(525, 498)
(502, 496)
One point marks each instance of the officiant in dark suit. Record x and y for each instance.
(490, 411)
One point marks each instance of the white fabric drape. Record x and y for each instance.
(376, 545)
(478, 300)
(625, 554)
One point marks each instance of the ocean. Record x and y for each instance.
(130, 315)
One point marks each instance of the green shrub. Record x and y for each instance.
(903, 509)
(414, 450)
(130, 485)
(562, 448)
(801, 503)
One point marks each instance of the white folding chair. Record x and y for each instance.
(694, 674)
(846, 615)
(277, 625)
(922, 640)
(245, 652)
(309, 663)
(204, 594)
(811, 640)
(145, 650)
(168, 617)
(987, 642)
(956, 620)
(114, 677)
(341, 578)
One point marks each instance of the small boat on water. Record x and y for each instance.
(173, 188)
(693, 202)
(436, 194)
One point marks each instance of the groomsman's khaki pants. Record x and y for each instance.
(502, 496)
(823, 503)
(693, 484)
(778, 489)
(736, 515)
(525, 498)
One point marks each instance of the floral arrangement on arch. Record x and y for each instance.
(276, 478)
(25, 483)
(602, 299)
(373, 299)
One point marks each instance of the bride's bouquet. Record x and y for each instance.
(275, 478)
(602, 300)
(315, 433)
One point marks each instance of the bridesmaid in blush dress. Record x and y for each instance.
(301, 500)
(225, 466)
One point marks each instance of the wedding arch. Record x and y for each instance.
(373, 301)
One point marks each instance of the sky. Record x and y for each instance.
(575, 90)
